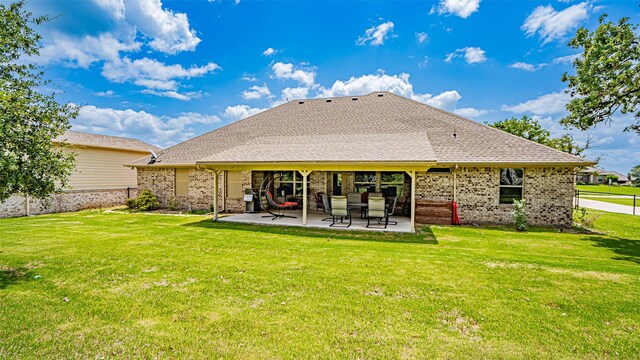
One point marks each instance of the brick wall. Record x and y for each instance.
(548, 192)
(161, 182)
(69, 200)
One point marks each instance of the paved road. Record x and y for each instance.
(605, 206)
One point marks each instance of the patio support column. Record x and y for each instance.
(412, 173)
(215, 192)
(305, 176)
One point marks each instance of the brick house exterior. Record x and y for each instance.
(439, 157)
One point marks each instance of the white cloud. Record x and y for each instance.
(284, 71)
(472, 55)
(154, 75)
(249, 77)
(470, 112)
(397, 84)
(161, 130)
(83, 52)
(422, 37)
(552, 25)
(461, 8)
(446, 100)
(553, 103)
(115, 8)
(295, 93)
(170, 31)
(239, 112)
(566, 60)
(256, 92)
(424, 62)
(270, 51)
(184, 96)
(526, 66)
(376, 35)
(108, 93)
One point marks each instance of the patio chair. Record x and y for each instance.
(376, 194)
(354, 202)
(326, 206)
(339, 210)
(377, 210)
(280, 207)
(319, 202)
(392, 209)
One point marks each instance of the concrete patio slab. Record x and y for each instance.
(315, 220)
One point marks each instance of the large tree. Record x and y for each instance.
(607, 78)
(530, 129)
(29, 118)
(635, 175)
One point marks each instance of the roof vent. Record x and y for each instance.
(354, 99)
(328, 100)
(380, 95)
(301, 102)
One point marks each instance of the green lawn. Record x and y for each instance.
(624, 190)
(148, 286)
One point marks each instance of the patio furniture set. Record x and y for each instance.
(372, 206)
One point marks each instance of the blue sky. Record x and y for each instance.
(165, 71)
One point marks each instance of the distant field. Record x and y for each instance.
(625, 190)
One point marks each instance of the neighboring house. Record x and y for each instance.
(99, 179)
(376, 142)
(595, 176)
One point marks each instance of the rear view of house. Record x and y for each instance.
(382, 142)
(99, 179)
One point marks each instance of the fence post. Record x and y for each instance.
(577, 199)
(634, 204)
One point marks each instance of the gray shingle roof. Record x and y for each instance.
(105, 141)
(380, 126)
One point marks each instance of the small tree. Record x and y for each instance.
(520, 215)
(29, 120)
(613, 178)
(635, 175)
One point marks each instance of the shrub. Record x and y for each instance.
(520, 216)
(582, 218)
(613, 178)
(147, 201)
(131, 203)
(172, 203)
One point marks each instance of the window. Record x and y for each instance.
(291, 183)
(234, 185)
(182, 182)
(365, 181)
(391, 184)
(510, 185)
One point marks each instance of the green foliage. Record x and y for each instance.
(530, 129)
(635, 175)
(607, 76)
(146, 201)
(520, 215)
(613, 178)
(582, 218)
(29, 120)
(131, 203)
(172, 203)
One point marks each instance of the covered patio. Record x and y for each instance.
(315, 220)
